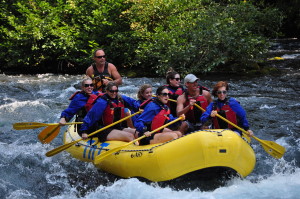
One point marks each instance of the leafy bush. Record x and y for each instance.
(37, 32)
(149, 35)
(196, 36)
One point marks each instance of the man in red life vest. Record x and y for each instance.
(194, 94)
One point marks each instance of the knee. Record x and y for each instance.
(130, 137)
(174, 136)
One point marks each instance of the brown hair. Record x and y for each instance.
(110, 85)
(142, 90)
(219, 85)
(160, 89)
(170, 74)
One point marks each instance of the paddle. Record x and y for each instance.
(34, 125)
(48, 134)
(272, 148)
(68, 145)
(100, 157)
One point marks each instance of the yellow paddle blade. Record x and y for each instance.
(49, 133)
(61, 148)
(28, 125)
(100, 157)
(272, 148)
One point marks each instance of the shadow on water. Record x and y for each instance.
(205, 180)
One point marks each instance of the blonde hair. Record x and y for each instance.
(142, 90)
(84, 80)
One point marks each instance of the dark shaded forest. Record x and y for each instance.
(145, 37)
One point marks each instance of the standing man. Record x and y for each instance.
(102, 72)
(194, 94)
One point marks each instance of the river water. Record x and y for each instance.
(272, 104)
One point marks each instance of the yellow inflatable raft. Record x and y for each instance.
(166, 161)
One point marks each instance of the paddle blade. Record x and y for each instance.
(28, 125)
(48, 134)
(60, 149)
(272, 148)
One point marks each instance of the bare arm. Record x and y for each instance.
(89, 71)
(115, 74)
(180, 105)
(207, 95)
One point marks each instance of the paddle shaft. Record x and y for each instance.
(273, 146)
(270, 147)
(99, 158)
(34, 125)
(65, 146)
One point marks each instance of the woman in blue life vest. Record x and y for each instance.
(155, 115)
(82, 102)
(108, 109)
(175, 89)
(228, 108)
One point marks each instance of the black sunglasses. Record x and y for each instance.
(165, 94)
(219, 92)
(177, 79)
(113, 91)
(87, 85)
(99, 57)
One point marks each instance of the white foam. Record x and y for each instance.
(275, 186)
(11, 107)
(291, 56)
(265, 106)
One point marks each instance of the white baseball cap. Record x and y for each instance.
(190, 78)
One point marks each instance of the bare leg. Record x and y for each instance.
(166, 130)
(163, 137)
(134, 133)
(120, 136)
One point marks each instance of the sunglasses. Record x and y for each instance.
(99, 57)
(177, 79)
(88, 85)
(165, 94)
(113, 91)
(220, 92)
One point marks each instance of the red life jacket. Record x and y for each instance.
(113, 111)
(174, 96)
(225, 112)
(194, 114)
(160, 119)
(178, 92)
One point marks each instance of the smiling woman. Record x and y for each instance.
(108, 109)
(228, 108)
(81, 103)
(156, 114)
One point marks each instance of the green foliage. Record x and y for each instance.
(196, 36)
(151, 35)
(38, 31)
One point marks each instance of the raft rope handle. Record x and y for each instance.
(152, 148)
